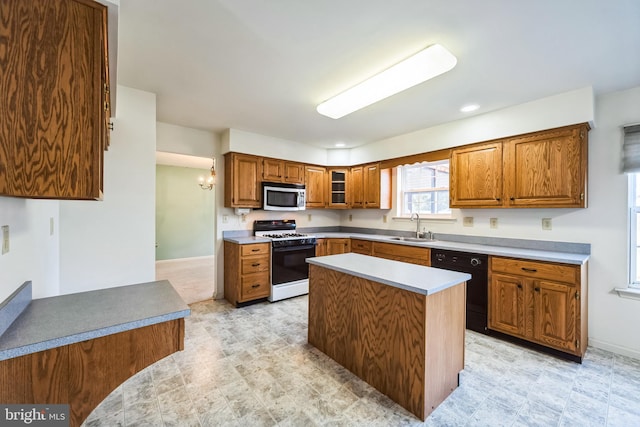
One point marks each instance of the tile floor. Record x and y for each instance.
(253, 367)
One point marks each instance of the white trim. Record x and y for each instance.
(167, 261)
(623, 351)
(631, 293)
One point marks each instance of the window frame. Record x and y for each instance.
(400, 192)
(634, 213)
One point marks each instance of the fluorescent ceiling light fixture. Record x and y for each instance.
(339, 144)
(469, 108)
(424, 65)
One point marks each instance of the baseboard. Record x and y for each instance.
(613, 348)
(168, 261)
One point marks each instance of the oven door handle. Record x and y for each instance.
(293, 248)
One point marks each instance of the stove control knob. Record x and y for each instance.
(475, 262)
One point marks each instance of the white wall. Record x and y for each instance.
(33, 253)
(112, 242)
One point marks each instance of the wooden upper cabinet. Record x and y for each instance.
(475, 176)
(356, 187)
(275, 170)
(338, 188)
(540, 169)
(316, 187)
(54, 107)
(547, 169)
(370, 187)
(243, 173)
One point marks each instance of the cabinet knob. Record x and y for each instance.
(255, 250)
(529, 270)
(255, 264)
(519, 285)
(498, 199)
(257, 285)
(536, 289)
(512, 198)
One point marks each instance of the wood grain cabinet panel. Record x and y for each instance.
(247, 270)
(276, 170)
(54, 107)
(476, 176)
(243, 174)
(364, 247)
(316, 186)
(539, 169)
(541, 302)
(404, 253)
(335, 246)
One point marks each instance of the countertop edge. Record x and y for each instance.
(322, 262)
(84, 336)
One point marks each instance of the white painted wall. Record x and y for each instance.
(267, 146)
(112, 242)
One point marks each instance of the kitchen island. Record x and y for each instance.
(398, 326)
(75, 349)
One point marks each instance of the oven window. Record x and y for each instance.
(288, 264)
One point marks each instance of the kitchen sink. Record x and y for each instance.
(413, 239)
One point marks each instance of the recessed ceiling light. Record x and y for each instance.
(339, 144)
(424, 65)
(469, 108)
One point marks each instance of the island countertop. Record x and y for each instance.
(411, 277)
(56, 321)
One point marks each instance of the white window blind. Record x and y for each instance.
(631, 149)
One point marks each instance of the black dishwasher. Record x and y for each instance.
(477, 266)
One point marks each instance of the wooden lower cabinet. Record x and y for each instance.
(364, 247)
(84, 373)
(404, 253)
(246, 272)
(541, 302)
(333, 246)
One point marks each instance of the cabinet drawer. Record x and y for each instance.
(254, 249)
(255, 264)
(387, 250)
(537, 269)
(255, 286)
(361, 246)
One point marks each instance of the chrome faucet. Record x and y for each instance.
(417, 224)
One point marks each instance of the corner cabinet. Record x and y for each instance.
(243, 174)
(546, 169)
(54, 108)
(541, 302)
(246, 272)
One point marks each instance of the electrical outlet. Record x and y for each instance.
(467, 221)
(51, 226)
(5, 239)
(493, 222)
(309, 217)
(350, 217)
(546, 223)
(225, 219)
(384, 218)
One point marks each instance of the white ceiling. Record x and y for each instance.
(263, 66)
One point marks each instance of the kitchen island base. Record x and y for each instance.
(408, 345)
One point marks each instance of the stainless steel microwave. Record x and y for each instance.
(283, 197)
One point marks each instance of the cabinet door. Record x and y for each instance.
(364, 247)
(293, 173)
(356, 187)
(315, 177)
(321, 247)
(338, 246)
(547, 168)
(506, 304)
(52, 108)
(371, 185)
(475, 178)
(338, 188)
(272, 170)
(242, 181)
(554, 320)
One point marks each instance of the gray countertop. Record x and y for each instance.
(411, 277)
(505, 251)
(53, 322)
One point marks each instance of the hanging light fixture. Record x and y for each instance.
(209, 182)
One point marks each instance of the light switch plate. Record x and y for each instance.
(5, 239)
(467, 221)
